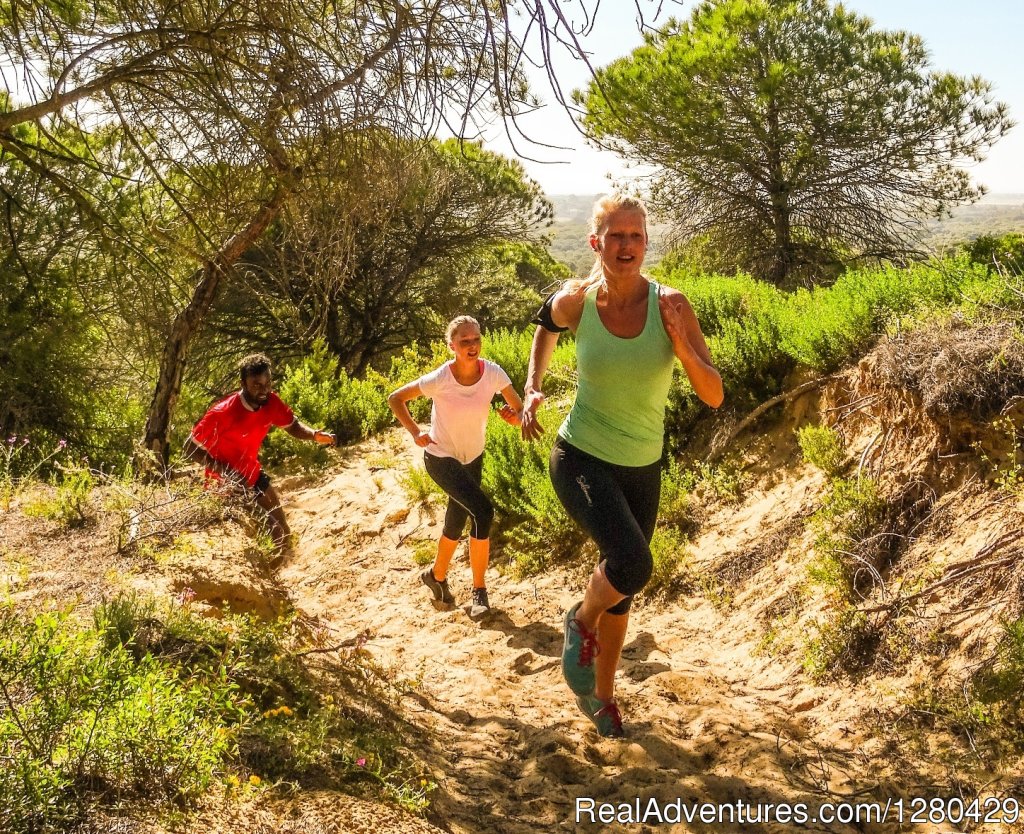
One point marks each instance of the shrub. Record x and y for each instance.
(85, 717)
(20, 461)
(71, 505)
(740, 318)
(670, 558)
(1005, 252)
(322, 394)
(850, 513)
(758, 334)
(822, 448)
(419, 486)
(987, 709)
(511, 350)
(843, 645)
(423, 551)
(536, 526)
(411, 364)
(153, 703)
(674, 508)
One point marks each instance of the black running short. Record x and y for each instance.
(466, 500)
(617, 506)
(262, 484)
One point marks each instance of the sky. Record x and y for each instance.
(980, 38)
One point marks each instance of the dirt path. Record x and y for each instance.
(708, 721)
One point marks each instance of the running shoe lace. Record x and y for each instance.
(589, 647)
(611, 712)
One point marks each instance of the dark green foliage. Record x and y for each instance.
(536, 528)
(84, 719)
(511, 350)
(58, 380)
(156, 703)
(1005, 253)
(322, 395)
(792, 138)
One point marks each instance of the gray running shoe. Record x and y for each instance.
(439, 589)
(480, 604)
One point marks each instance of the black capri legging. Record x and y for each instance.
(617, 506)
(465, 497)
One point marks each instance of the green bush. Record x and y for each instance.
(1003, 683)
(740, 319)
(84, 719)
(534, 523)
(986, 710)
(411, 364)
(419, 487)
(71, 505)
(668, 547)
(758, 334)
(154, 703)
(851, 512)
(822, 448)
(843, 645)
(322, 395)
(825, 327)
(511, 350)
(1005, 252)
(674, 509)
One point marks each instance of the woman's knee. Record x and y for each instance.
(483, 518)
(630, 572)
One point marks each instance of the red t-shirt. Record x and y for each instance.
(232, 434)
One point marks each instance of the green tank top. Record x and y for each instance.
(619, 413)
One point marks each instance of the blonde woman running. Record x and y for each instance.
(453, 451)
(605, 463)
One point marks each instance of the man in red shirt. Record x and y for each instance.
(227, 439)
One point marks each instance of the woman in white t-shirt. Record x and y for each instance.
(453, 450)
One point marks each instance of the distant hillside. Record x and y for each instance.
(996, 214)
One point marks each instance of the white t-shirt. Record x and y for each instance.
(458, 415)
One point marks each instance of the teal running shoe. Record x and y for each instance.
(604, 714)
(578, 653)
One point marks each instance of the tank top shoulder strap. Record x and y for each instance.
(589, 312)
(655, 324)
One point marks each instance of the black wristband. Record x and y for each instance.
(543, 317)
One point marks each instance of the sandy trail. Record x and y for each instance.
(708, 721)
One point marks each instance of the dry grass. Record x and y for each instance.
(956, 369)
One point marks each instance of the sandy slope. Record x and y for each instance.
(708, 720)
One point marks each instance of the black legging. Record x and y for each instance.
(465, 498)
(617, 506)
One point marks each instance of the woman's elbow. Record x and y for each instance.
(715, 400)
(713, 393)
